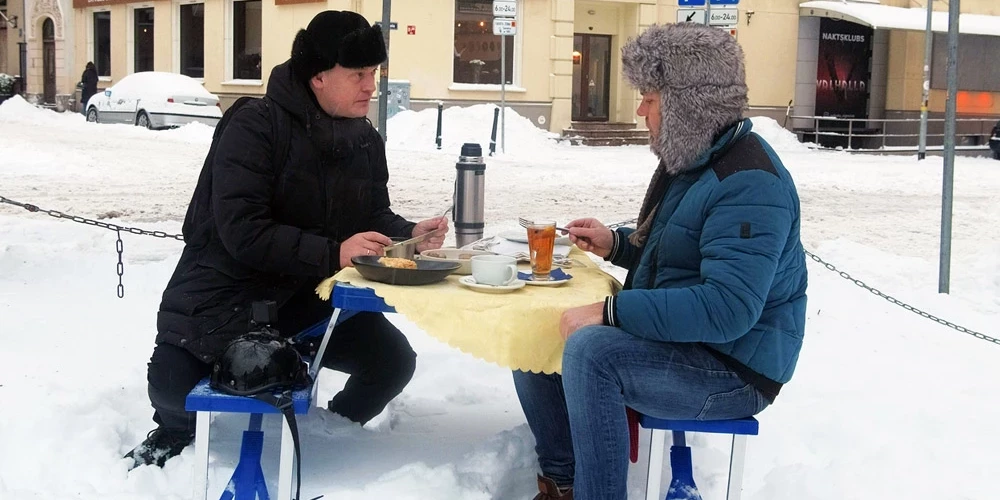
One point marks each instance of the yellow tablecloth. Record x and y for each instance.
(517, 330)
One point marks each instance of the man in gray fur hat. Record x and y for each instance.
(712, 316)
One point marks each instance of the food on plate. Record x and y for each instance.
(397, 262)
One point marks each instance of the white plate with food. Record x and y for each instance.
(454, 255)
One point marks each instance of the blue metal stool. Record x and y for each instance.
(247, 482)
(682, 485)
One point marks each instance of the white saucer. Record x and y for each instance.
(546, 283)
(562, 279)
(470, 282)
(522, 237)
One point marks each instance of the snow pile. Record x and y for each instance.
(780, 138)
(415, 130)
(17, 110)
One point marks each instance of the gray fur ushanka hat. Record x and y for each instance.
(699, 72)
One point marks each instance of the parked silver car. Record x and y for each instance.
(155, 100)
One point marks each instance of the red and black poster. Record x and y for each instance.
(842, 76)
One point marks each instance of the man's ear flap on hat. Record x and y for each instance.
(362, 48)
(306, 61)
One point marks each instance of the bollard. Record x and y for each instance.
(468, 197)
(440, 110)
(493, 136)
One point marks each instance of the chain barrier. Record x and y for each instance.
(900, 303)
(622, 223)
(119, 244)
(120, 248)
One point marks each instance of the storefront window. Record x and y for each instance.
(143, 39)
(246, 39)
(193, 40)
(102, 43)
(477, 50)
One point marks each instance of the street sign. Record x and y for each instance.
(504, 26)
(392, 25)
(504, 8)
(725, 2)
(723, 17)
(696, 16)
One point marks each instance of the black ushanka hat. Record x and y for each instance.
(337, 37)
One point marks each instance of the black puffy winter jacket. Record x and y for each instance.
(264, 228)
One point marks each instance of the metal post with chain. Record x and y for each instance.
(900, 303)
(119, 244)
(120, 247)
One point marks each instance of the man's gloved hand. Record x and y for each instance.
(439, 224)
(369, 243)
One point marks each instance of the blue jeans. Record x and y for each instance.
(606, 369)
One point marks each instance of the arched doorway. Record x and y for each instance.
(49, 60)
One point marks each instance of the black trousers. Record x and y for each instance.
(367, 346)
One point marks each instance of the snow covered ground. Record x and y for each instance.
(884, 404)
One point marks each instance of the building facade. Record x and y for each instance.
(561, 67)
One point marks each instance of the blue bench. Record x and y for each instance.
(247, 482)
(682, 486)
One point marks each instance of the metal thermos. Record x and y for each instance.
(470, 187)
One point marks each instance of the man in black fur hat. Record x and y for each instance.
(294, 187)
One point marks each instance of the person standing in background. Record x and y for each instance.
(89, 81)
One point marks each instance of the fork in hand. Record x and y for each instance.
(525, 223)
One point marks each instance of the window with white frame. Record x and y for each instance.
(192, 40)
(477, 50)
(246, 39)
(102, 43)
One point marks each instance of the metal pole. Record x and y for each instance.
(948, 184)
(928, 47)
(383, 95)
(23, 69)
(493, 136)
(503, 92)
(708, 12)
(437, 140)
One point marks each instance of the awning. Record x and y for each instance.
(899, 18)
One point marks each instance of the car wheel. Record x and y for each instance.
(92, 115)
(142, 120)
(996, 155)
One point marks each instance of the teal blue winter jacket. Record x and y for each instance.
(723, 264)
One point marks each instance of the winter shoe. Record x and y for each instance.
(549, 491)
(161, 444)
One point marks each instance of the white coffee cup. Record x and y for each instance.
(496, 270)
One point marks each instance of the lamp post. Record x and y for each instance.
(948, 183)
(928, 47)
(383, 95)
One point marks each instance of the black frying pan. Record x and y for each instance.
(427, 272)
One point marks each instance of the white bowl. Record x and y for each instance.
(457, 255)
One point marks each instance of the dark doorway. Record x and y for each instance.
(49, 60)
(591, 77)
(143, 40)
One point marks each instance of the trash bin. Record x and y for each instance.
(77, 96)
(399, 97)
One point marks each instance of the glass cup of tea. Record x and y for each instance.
(541, 242)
